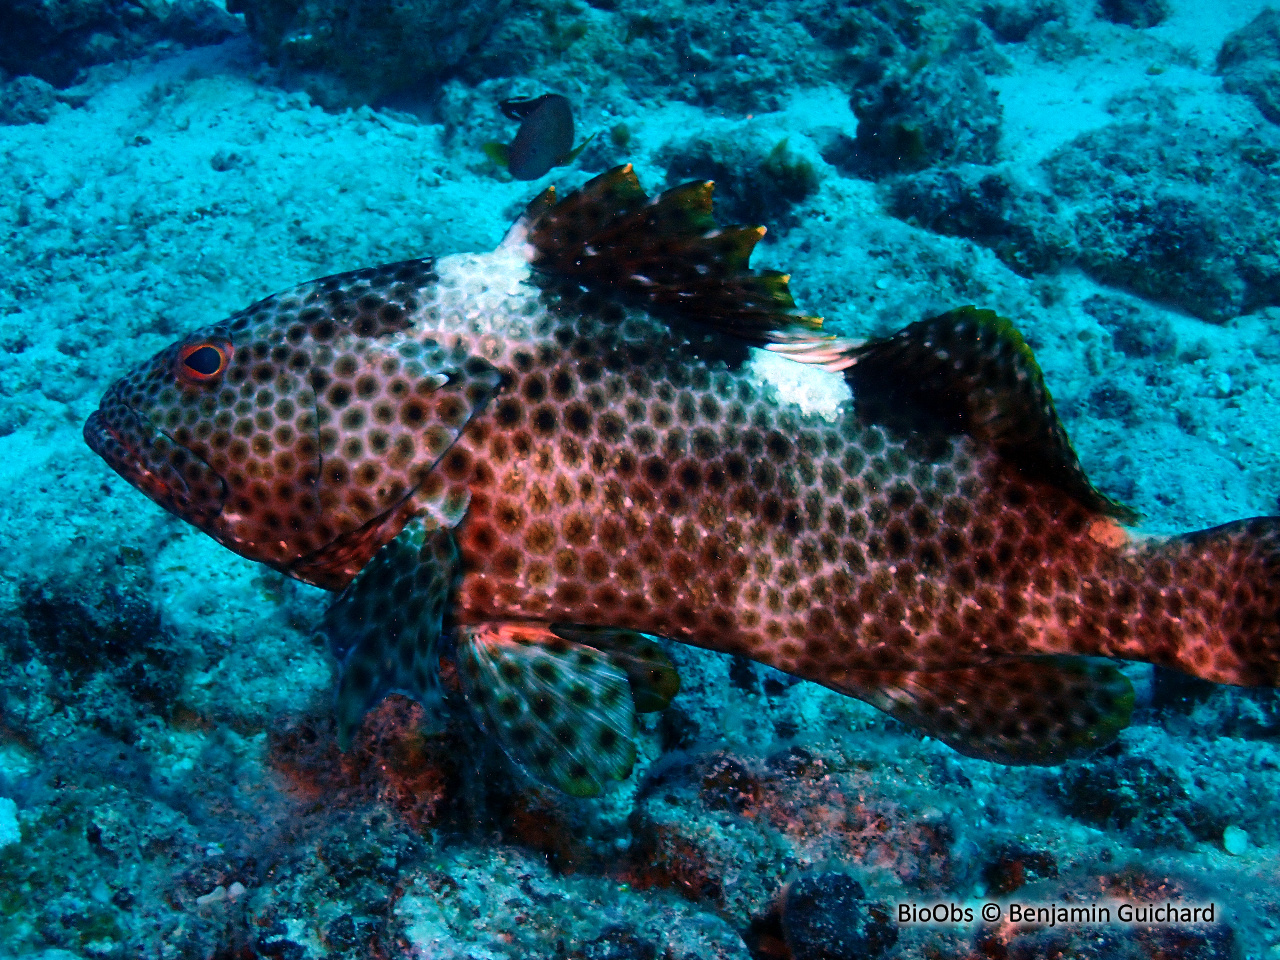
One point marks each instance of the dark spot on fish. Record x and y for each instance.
(655, 471)
(562, 386)
(509, 413)
(535, 388)
(544, 420)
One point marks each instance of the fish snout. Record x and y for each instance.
(169, 474)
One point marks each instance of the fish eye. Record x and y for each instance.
(202, 362)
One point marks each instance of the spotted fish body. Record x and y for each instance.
(584, 440)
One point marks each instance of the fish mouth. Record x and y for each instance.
(144, 455)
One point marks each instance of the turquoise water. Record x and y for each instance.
(170, 781)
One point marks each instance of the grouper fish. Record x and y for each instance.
(548, 461)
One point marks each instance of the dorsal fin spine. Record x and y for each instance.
(665, 251)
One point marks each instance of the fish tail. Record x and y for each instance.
(1206, 603)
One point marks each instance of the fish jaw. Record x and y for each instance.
(172, 476)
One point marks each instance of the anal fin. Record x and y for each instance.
(1035, 710)
(384, 628)
(560, 709)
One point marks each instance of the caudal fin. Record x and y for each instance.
(1208, 603)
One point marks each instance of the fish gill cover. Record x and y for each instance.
(170, 752)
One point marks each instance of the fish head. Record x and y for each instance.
(133, 428)
(302, 432)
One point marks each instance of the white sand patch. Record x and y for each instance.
(1046, 105)
(1202, 26)
(10, 832)
(813, 390)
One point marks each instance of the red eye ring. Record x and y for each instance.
(203, 361)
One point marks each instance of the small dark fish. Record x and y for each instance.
(544, 140)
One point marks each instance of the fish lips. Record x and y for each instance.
(169, 474)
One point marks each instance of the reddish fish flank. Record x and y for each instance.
(611, 430)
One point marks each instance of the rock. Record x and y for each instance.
(1117, 790)
(348, 52)
(345, 933)
(727, 784)
(27, 100)
(616, 943)
(391, 758)
(1181, 212)
(664, 49)
(1235, 840)
(1175, 690)
(996, 206)
(198, 23)
(872, 37)
(1014, 22)
(1013, 865)
(1134, 13)
(1134, 332)
(1249, 62)
(10, 831)
(1114, 940)
(828, 917)
(945, 113)
(56, 39)
(758, 179)
(1110, 401)
(101, 645)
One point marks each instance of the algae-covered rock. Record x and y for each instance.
(999, 207)
(1135, 13)
(357, 52)
(27, 100)
(1144, 796)
(943, 113)
(1015, 22)
(758, 179)
(827, 916)
(56, 39)
(870, 38)
(1132, 935)
(1135, 333)
(1181, 213)
(1249, 62)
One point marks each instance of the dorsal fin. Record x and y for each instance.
(666, 252)
(969, 371)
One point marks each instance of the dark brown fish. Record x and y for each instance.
(544, 140)
(610, 430)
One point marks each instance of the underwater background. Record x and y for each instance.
(1106, 174)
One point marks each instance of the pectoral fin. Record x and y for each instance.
(499, 153)
(572, 155)
(653, 677)
(1037, 710)
(560, 709)
(384, 628)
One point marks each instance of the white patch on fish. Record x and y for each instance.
(484, 293)
(811, 388)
